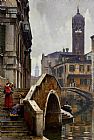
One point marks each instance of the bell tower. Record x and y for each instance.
(78, 24)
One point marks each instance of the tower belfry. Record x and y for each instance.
(78, 24)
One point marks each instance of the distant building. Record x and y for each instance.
(34, 80)
(92, 39)
(15, 42)
(52, 59)
(88, 55)
(74, 72)
(36, 71)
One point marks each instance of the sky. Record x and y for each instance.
(51, 26)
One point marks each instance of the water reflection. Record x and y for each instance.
(82, 127)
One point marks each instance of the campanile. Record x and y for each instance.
(78, 24)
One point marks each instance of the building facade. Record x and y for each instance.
(14, 50)
(74, 73)
(24, 42)
(92, 58)
(50, 60)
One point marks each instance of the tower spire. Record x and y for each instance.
(78, 2)
(77, 9)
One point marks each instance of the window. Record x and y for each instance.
(81, 68)
(21, 52)
(71, 80)
(2, 38)
(11, 12)
(88, 68)
(60, 71)
(71, 68)
(65, 68)
(26, 27)
(89, 58)
(88, 81)
(85, 81)
(54, 72)
(60, 82)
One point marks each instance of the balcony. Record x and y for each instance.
(2, 10)
(7, 14)
(26, 34)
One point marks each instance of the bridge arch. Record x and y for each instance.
(52, 112)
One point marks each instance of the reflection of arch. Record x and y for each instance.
(52, 112)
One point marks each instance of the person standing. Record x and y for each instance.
(8, 90)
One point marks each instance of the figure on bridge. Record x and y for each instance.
(8, 91)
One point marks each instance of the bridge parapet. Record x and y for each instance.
(33, 116)
(39, 92)
(47, 95)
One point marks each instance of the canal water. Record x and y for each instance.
(80, 128)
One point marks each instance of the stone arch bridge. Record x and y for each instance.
(42, 104)
(43, 99)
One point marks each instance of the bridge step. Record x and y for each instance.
(17, 138)
(14, 133)
(14, 130)
(13, 127)
(12, 123)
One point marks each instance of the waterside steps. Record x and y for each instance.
(13, 130)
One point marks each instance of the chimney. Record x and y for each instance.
(63, 50)
(67, 49)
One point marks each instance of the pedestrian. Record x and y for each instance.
(8, 91)
(14, 113)
(17, 111)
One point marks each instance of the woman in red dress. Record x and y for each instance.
(8, 90)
